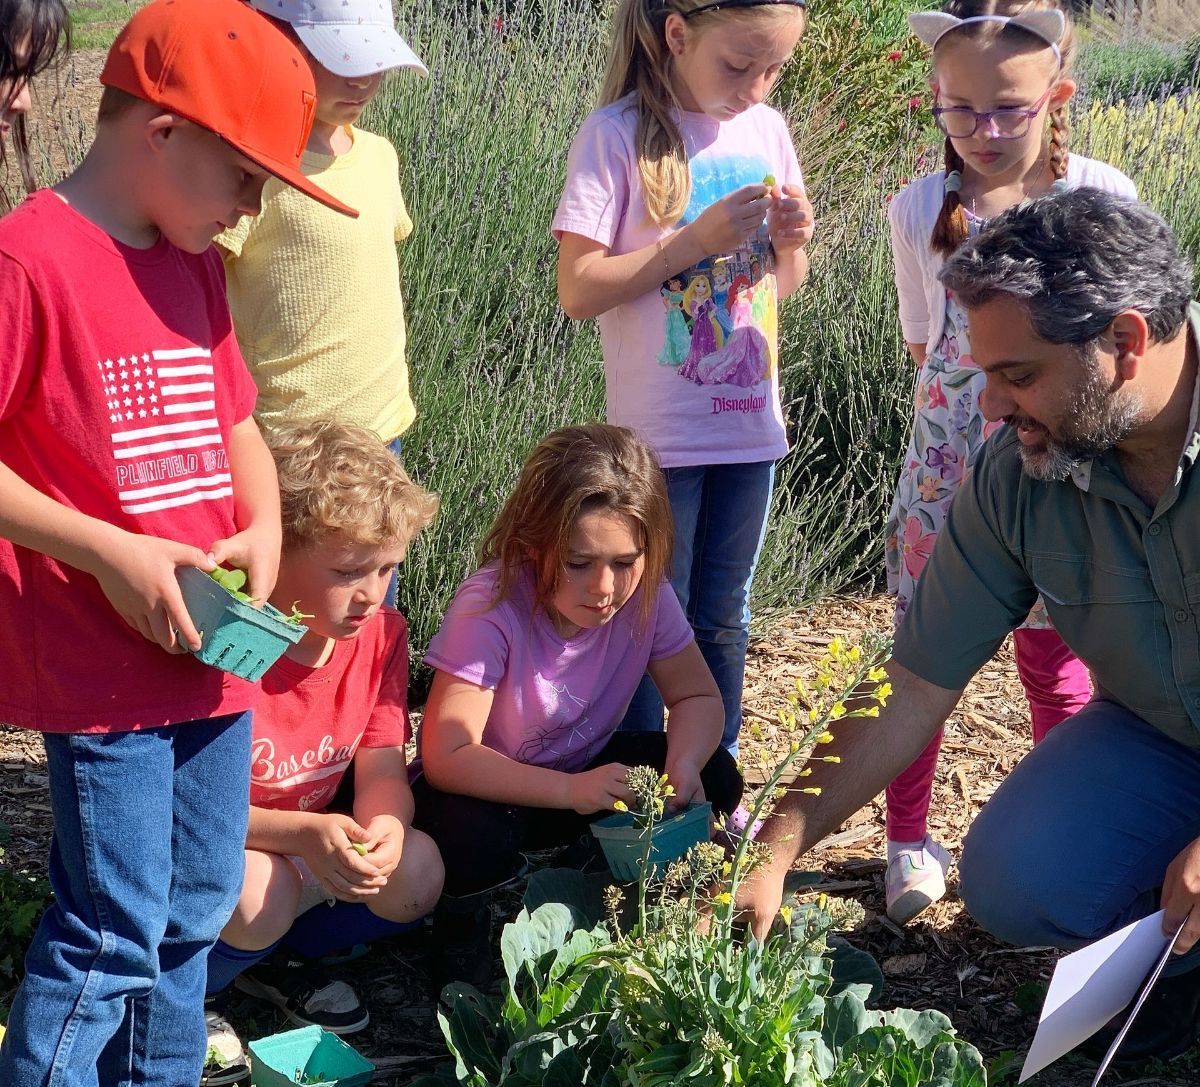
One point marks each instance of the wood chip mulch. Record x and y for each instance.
(990, 991)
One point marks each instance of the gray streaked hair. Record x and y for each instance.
(1073, 260)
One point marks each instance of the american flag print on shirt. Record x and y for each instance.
(166, 439)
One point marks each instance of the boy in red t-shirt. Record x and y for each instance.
(337, 699)
(127, 450)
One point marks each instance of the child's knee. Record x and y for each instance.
(416, 885)
(267, 905)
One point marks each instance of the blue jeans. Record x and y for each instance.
(720, 514)
(146, 866)
(1076, 842)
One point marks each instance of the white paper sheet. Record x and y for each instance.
(1092, 985)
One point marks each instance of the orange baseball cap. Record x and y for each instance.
(222, 65)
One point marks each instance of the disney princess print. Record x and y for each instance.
(721, 315)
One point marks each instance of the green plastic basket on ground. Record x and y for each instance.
(310, 1055)
(235, 637)
(624, 841)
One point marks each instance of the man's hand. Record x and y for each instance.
(1180, 897)
(761, 894)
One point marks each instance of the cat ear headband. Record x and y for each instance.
(1047, 24)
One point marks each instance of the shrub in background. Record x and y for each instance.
(1137, 69)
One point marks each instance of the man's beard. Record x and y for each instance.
(1094, 421)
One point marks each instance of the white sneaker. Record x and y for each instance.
(915, 880)
(225, 1061)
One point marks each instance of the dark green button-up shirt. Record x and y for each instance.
(1120, 581)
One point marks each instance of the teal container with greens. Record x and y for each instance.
(623, 838)
(235, 636)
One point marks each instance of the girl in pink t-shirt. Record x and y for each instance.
(683, 219)
(537, 659)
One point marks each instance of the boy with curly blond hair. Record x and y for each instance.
(323, 873)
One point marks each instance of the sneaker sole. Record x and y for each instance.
(911, 904)
(224, 1077)
(251, 987)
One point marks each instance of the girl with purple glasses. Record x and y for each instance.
(1001, 82)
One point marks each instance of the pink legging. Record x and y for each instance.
(1056, 684)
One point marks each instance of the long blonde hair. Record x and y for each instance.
(639, 63)
(950, 230)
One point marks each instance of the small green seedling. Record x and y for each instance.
(360, 848)
(296, 615)
(232, 581)
(769, 181)
(302, 1077)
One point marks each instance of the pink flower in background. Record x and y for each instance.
(914, 102)
(918, 546)
(895, 55)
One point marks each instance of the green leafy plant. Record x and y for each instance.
(296, 615)
(234, 582)
(671, 991)
(23, 897)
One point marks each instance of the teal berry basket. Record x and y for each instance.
(235, 637)
(624, 841)
(310, 1055)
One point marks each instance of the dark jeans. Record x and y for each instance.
(1076, 842)
(481, 842)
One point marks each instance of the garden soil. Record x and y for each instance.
(990, 991)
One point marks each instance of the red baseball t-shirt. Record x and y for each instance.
(310, 722)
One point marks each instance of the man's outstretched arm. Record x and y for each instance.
(873, 750)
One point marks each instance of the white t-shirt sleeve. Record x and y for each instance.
(596, 195)
(788, 170)
(915, 317)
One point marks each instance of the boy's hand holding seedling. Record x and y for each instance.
(254, 550)
(333, 851)
(137, 575)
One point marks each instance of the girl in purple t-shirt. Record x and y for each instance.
(537, 659)
(682, 221)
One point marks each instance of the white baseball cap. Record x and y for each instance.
(349, 37)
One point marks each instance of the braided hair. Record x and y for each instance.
(950, 230)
